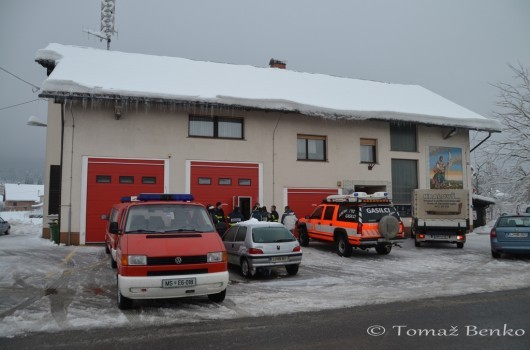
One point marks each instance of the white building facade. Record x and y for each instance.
(239, 143)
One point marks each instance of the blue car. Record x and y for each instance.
(510, 234)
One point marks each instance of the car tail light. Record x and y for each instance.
(493, 233)
(421, 236)
(297, 249)
(255, 251)
(360, 228)
(460, 237)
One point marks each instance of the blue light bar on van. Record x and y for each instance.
(126, 199)
(145, 197)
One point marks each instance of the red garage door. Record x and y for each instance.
(230, 183)
(304, 200)
(110, 179)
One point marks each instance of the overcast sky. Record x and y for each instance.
(455, 48)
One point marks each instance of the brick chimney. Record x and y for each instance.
(277, 64)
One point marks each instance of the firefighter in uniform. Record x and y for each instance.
(219, 215)
(234, 217)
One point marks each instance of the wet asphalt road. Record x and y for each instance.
(478, 321)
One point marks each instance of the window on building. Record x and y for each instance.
(149, 180)
(311, 147)
(215, 127)
(127, 180)
(368, 151)
(244, 182)
(225, 181)
(403, 138)
(205, 181)
(103, 179)
(404, 180)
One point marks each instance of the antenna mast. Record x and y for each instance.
(107, 29)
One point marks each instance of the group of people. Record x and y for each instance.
(222, 222)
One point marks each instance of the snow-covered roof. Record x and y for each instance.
(484, 199)
(22, 192)
(95, 73)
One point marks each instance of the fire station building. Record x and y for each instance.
(120, 124)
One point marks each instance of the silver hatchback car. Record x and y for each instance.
(256, 245)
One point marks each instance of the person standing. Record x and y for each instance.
(220, 217)
(289, 219)
(211, 211)
(264, 214)
(274, 214)
(256, 212)
(234, 217)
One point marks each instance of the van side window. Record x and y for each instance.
(328, 214)
(317, 213)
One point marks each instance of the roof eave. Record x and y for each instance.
(62, 96)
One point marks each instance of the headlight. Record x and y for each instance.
(137, 260)
(215, 257)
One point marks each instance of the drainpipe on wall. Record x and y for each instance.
(273, 161)
(71, 179)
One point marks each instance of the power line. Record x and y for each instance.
(19, 104)
(35, 87)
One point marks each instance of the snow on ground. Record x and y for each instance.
(46, 287)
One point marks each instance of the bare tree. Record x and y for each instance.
(512, 150)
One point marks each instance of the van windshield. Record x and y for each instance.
(162, 218)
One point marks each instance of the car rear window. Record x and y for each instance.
(271, 235)
(375, 213)
(514, 222)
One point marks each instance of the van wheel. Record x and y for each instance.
(292, 269)
(383, 249)
(246, 271)
(217, 297)
(123, 302)
(303, 237)
(417, 243)
(460, 245)
(495, 254)
(343, 246)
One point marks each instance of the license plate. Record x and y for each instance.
(280, 258)
(179, 283)
(441, 237)
(517, 235)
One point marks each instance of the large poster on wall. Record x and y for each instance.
(446, 170)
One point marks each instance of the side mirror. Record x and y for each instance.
(113, 228)
(104, 217)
